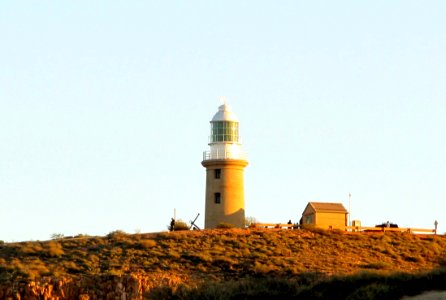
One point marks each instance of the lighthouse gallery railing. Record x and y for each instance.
(208, 155)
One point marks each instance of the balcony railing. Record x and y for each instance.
(208, 155)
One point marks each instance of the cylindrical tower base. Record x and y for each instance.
(225, 200)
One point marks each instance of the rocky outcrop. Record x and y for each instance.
(124, 287)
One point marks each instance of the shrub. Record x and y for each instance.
(321, 231)
(57, 236)
(224, 225)
(376, 266)
(442, 262)
(197, 258)
(250, 221)
(371, 291)
(117, 235)
(54, 249)
(81, 235)
(436, 248)
(35, 269)
(416, 259)
(173, 254)
(180, 225)
(146, 244)
(223, 263)
(71, 267)
(260, 268)
(31, 248)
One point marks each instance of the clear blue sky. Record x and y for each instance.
(105, 109)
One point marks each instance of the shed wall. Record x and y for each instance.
(336, 220)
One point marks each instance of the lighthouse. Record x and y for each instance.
(224, 163)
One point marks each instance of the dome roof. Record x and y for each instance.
(224, 114)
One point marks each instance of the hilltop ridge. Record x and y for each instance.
(140, 265)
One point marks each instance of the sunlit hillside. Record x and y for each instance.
(170, 264)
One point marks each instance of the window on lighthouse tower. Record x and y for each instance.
(217, 173)
(217, 198)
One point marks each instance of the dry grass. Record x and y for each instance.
(233, 253)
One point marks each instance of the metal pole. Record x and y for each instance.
(349, 209)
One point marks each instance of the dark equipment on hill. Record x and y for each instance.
(387, 225)
(193, 225)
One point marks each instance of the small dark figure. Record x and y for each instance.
(172, 224)
(436, 224)
(290, 223)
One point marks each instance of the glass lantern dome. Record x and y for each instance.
(224, 140)
(224, 126)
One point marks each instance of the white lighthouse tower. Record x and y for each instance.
(224, 163)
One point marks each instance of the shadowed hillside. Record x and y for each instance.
(188, 264)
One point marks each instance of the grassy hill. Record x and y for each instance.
(221, 264)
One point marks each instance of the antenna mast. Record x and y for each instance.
(349, 209)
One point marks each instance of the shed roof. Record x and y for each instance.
(327, 207)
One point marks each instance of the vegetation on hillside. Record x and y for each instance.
(240, 259)
(364, 285)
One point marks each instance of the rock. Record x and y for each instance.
(125, 287)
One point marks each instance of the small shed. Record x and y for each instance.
(325, 215)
